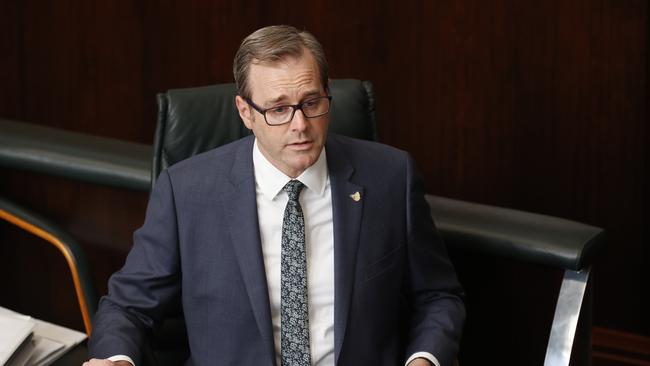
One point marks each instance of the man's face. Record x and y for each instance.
(294, 146)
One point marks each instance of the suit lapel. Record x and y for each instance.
(241, 208)
(239, 203)
(347, 209)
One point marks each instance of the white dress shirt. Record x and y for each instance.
(316, 203)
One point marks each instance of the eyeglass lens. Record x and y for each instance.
(311, 108)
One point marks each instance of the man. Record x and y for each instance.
(291, 247)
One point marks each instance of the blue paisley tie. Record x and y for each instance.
(294, 307)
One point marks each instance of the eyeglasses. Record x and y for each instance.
(282, 114)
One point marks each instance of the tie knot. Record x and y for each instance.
(293, 189)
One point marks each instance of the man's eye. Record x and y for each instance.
(310, 103)
(279, 110)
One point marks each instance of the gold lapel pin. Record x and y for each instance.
(356, 196)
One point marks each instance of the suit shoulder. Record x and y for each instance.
(211, 169)
(216, 158)
(368, 152)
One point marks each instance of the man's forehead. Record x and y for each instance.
(275, 80)
(277, 59)
(286, 62)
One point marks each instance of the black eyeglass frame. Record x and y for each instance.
(294, 107)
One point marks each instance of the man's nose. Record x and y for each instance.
(299, 121)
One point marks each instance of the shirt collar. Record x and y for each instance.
(271, 180)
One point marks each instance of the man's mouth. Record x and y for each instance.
(301, 145)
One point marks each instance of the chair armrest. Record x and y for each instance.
(66, 245)
(74, 155)
(515, 234)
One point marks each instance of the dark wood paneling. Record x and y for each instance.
(11, 69)
(534, 105)
(510, 309)
(620, 349)
(37, 280)
(581, 120)
(82, 63)
(189, 44)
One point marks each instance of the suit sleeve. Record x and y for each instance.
(437, 309)
(149, 279)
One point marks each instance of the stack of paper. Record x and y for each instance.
(25, 341)
(15, 337)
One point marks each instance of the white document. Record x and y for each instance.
(50, 341)
(14, 332)
(21, 357)
(45, 350)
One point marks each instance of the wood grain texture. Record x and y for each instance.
(540, 106)
(620, 348)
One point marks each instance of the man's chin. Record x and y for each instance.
(300, 165)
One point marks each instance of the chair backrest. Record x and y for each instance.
(194, 120)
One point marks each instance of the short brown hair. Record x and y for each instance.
(270, 44)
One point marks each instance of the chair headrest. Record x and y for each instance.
(194, 120)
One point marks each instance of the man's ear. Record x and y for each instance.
(244, 112)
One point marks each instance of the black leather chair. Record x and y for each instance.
(194, 120)
(76, 156)
(74, 256)
(197, 119)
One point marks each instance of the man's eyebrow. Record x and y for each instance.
(283, 97)
(313, 93)
(276, 100)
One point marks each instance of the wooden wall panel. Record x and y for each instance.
(10, 92)
(533, 105)
(82, 62)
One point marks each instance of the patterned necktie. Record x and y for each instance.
(294, 309)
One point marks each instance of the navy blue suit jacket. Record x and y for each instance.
(396, 292)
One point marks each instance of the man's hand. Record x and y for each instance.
(96, 362)
(420, 362)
